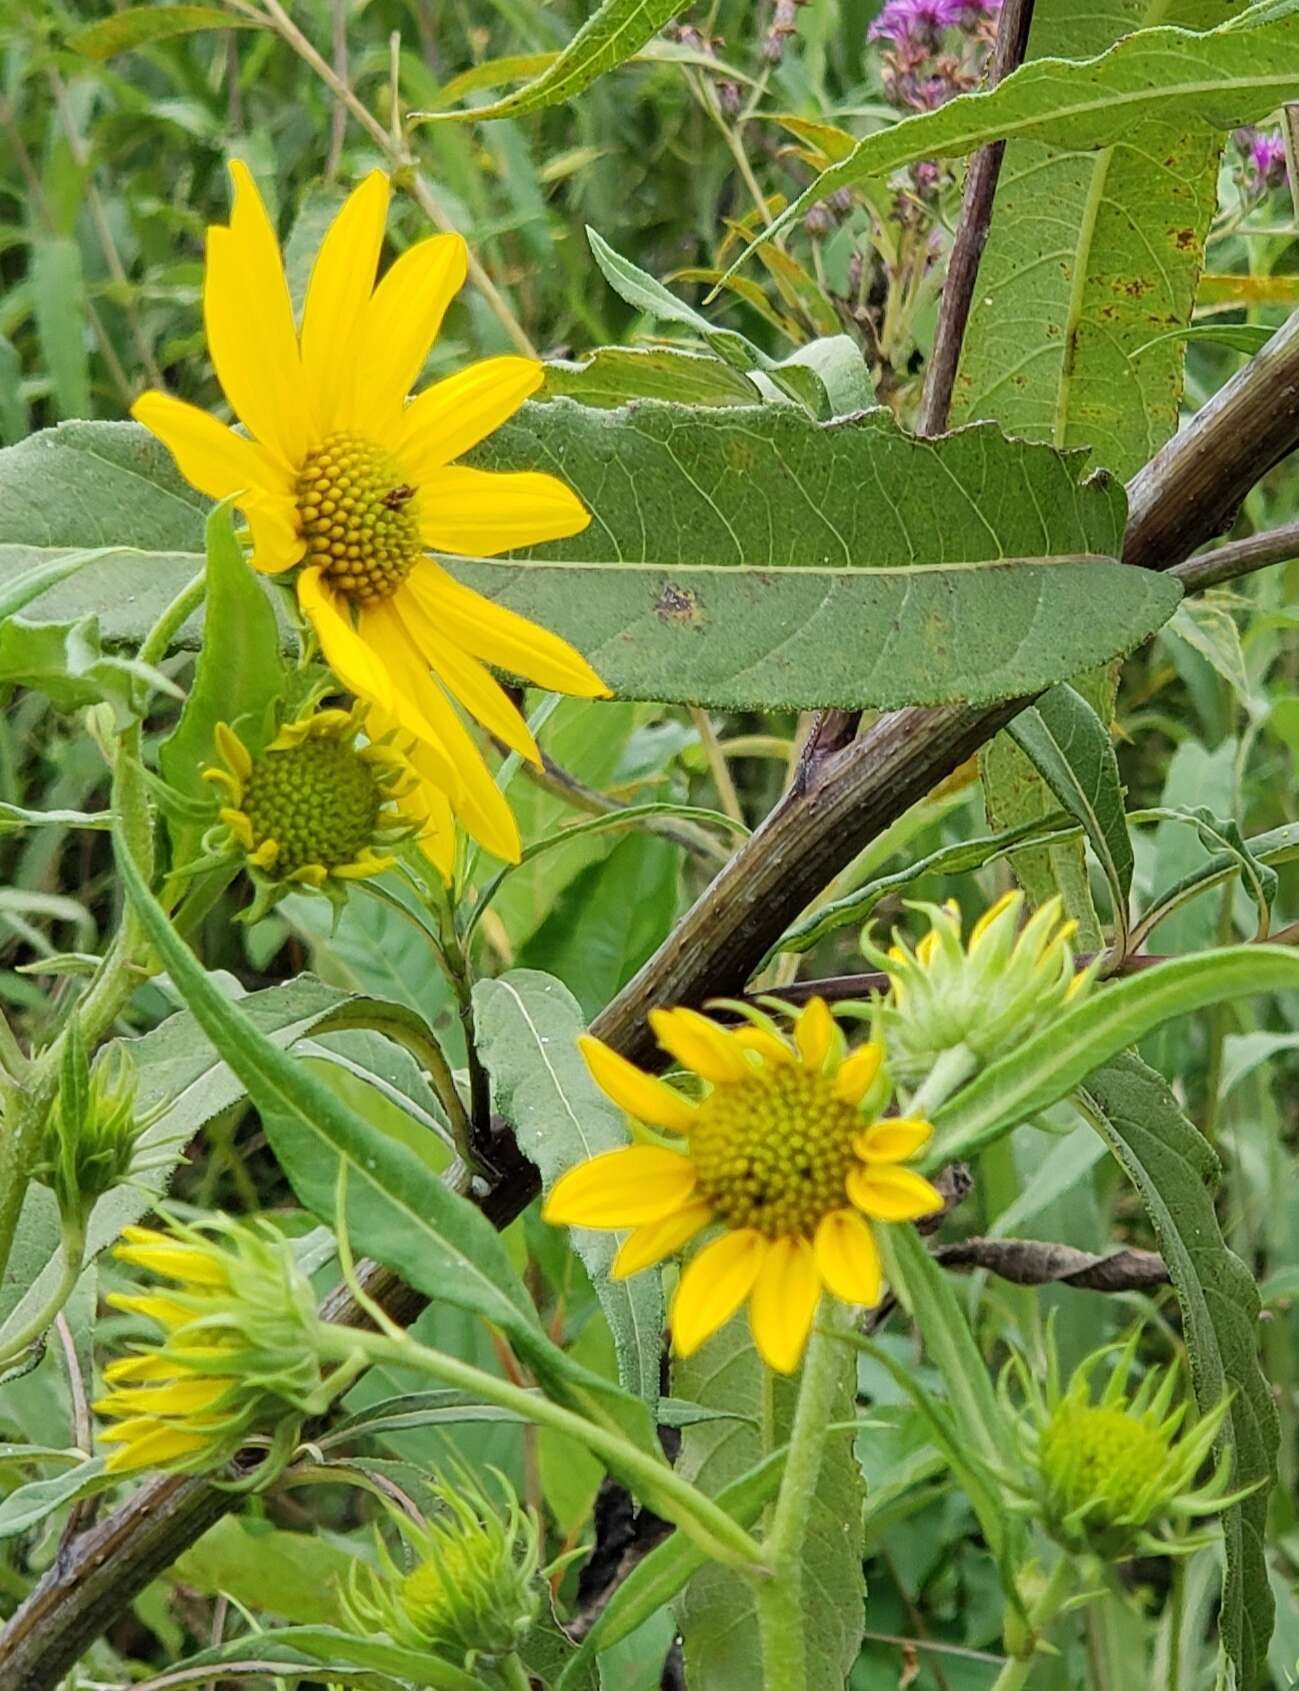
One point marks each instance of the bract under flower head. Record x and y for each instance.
(347, 484)
(785, 1148)
(91, 1135)
(237, 1353)
(315, 810)
(1113, 1474)
(471, 1589)
(987, 994)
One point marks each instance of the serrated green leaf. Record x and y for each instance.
(1069, 746)
(1174, 1170)
(1048, 1065)
(527, 1025)
(613, 32)
(67, 662)
(397, 1209)
(141, 26)
(1216, 80)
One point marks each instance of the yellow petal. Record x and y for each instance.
(502, 637)
(896, 1139)
(165, 1311)
(990, 915)
(153, 1366)
(342, 280)
(250, 332)
(186, 1263)
(713, 1287)
(658, 1239)
(768, 1046)
(814, 1032)
(482, 512)
(277, 542)
(150, 1444)
(783, 1304)
(177, 1397)
(892, 1194)
(359, 669)
(621, 1188)
(641, 1095)
(211, 457)
(477, 690)
(240, 762)
(396, 329)
(699, 1044)
(848, 1258)
(423, 709)
(459, 411)
(856, 1074)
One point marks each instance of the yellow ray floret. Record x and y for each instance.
(786, 1152)
(350, 485)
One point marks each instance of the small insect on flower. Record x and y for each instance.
(786, 1150)
(987, 994)
(347, 484)
(315, 810)
(472, 1587)
(237, 1353)
(1117, 1476)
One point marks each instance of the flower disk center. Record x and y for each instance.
(318, 801)
(773, 1152)
(359, 516)
(1102, 1454)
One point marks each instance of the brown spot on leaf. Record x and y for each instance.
(1184, 239)
(678, 605)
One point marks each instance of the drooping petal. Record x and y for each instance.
(211, 457)
(621, 1188)
(182, 1396)
(896, 1139)
(429, 805)
(658, 1239)
(783, 1304)
(641, 1095)
(164, 1256)
(149, 1366)
(502, 637)
(892, 1194)
(277, 544)
(399, 324)
(814, 1032)
(342, 280)
(460, 410)
(477, 690)
(698, 1043)
(713, 1287)
(423, 709)
(769, 1046)
(249, 320)
(167, 1312)
(848, 1258)
(147, 1443)
(482, 512)
(360, 669)
(856, 1074)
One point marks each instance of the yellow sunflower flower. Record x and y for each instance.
(345, 479)
(785, 1150)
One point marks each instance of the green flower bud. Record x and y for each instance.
(472, 1588)
(238, 1354)
(89, 1143)
(1113, 1476)
(988, 994)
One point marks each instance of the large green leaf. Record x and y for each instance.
(141, 26)
(527, 1025)
(1236, 74)
(1047, 1066)
(1174, 1170)
(716, 1608)
(322, 1653)
(609, 36)
(397, 1208)
(881, 569)
(1090, 260)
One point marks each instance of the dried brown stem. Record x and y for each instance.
(1237, 558)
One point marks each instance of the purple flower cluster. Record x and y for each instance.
(1267, 155)
(915, 23)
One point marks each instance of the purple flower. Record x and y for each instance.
(1267, 155)
(907, 22)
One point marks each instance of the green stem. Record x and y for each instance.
(779, 1597)
(947, 1076)
(74, 1251)
(172, 619)
(515, 1675)
(720, 1537)
(1040, 1616)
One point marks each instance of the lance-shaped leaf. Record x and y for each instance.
(1217, 79)
(746, 557)
(1174, 1170)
